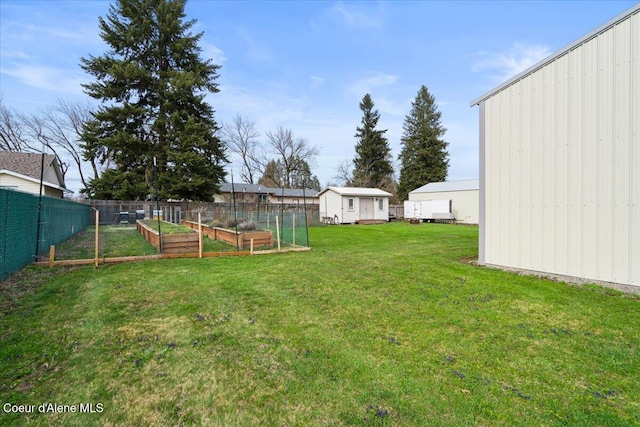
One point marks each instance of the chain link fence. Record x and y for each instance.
(30, 224)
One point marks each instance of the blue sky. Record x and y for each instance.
(305, 65)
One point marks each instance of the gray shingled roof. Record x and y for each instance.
(240, 187)
(25, 163)
(28, 164)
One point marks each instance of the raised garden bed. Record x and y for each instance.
(174, 240)
(261, 238)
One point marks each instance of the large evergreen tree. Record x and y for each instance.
(152, 83)
(372, 164)
(424, 155)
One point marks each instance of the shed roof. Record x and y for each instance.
(601, 29)
(357, 191)
(436, 187)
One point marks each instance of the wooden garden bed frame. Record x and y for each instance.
(261, 238)
(179, 243)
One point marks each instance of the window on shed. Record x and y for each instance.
(352, 204)
(263, 198)
(380, 204)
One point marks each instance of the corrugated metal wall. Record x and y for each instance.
(562, 163)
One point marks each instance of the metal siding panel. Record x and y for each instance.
(513, 179)
(604, 187)
(561, 165)
(589, 159)
(548, 168)
(526, 172)
(574, 164)
(503, 168)
(621, 153)
(536, 208)
(634, 120)
(499, 184)
(491, 243)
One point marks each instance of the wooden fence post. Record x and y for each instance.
(52, 255)
(278, 232)
(199, 235)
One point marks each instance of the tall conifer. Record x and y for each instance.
(372, 164)
(152, 83)
(424, 155)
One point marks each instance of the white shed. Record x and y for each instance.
(560, 161)
(348, 205)
(464, 196)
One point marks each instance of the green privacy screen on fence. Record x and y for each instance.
(21, 235)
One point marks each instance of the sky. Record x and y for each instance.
(306, 65)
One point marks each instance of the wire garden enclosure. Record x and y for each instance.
(289, 228)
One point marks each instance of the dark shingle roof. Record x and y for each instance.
(29, 164)
(25, 163)
(240, 187)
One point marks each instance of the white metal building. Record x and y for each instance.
(348, 205)
(560, 160)
(464, 196)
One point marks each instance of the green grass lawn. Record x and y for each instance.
(377, 325)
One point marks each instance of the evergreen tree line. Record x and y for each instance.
(423, 156)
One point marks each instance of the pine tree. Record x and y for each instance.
(152, 84)
(424, 155)
(372, 164)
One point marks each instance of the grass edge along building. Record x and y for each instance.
(560, 161)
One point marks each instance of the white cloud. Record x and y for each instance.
(47, 78)
(12, 53)
(210, 51)
(501, 66)
(316, 81)
(353, 15)
(373, 81)
(255, 51)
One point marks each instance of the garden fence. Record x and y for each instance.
(30, 224)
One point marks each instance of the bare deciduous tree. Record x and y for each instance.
(241, 137)
(291, 152)
(56, 129)
(11, 133)
(344, 173)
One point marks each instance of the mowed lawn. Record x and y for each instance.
(377, 325)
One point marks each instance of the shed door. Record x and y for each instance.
(366, 209)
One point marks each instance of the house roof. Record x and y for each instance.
(436, 187)
(240, 187)
(601, 29)
(356, 191)
(28, 165)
